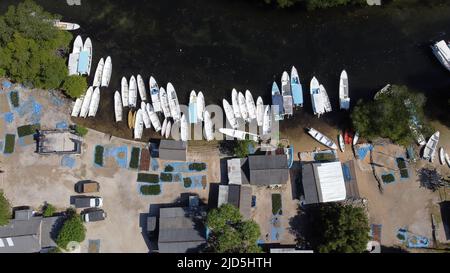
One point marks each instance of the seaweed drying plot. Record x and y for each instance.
(148, 178)
(185, 167)
(150, 189)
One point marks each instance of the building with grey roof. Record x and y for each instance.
(268, 170)
(27, 233)
(235, 170)
(59, 141)
(239, 196)
(173, 150)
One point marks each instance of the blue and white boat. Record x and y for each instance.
(193, 107)
(154, 94)
(277, 102)
(287, 94)
(297, 90)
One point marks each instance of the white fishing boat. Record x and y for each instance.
(168, 129)
(173, 102)
(164, 127)
(441, 50)
(118, 106)
(183, 128)
(141, 88)
(124, 91)
(87, 47)
(344, 99)
(316, 97)
(154, 94)
(277, 102)
(65, 25)
(322, 138)
(287, 94)
(267, 121)
(355, 138)
(193, 107)
(95, 101)
(442, 156)
(229, 114)
(296, 87)
(259, 111)
(325, 99)
(235, 103)
(132, 92)
(200, 105)
(241, 135)
(86, 102)
(164, 102)
(74, 56)
(77, 107)
(77, 45)
(98, 73)
(250, 102)
(107, 71)
(447, 159)
(153, 117)
(208, 127)
(341, 142)
(145, 116)
(138, 125)
(430, 149)
(243, 106)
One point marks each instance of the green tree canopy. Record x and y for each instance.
(340, 228)
(230, 233)
(74, 86)
(73, 230)
(5, 209)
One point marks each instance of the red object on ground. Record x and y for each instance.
(145, 160)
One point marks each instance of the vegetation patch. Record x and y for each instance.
(166, 177)
(404, 173)
(80, 130)
(187, 181)
(14, 97)
(99, 150)
(168, 169)
(134, 161)
(74, 86)
(150, 189)
(197, 167)
(10, 141)
(276, 204)
(324, 157)
(148, 177)
(27, 130)
(5, 209)
(388, 178)
(73, 230)
(48, 210)
(401, 163)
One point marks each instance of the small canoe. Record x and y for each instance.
(243, 106)
(164, 102)
(241, 135)
(322, 138)
(86, 102)
(153, 117)
(277, 102)
(154, 94)
(296, 87)
(430, 149)
(163, 128)
(130, 119)
(229, 114)
(98, 73)
(141, 88)
(344, 99)
(341, 142)
(77, 107)
(287, 94)
(183, 128)
(442, 156)
(208, 127)
(117, 106)
(124, 91)
(355, 138)
(77, 45)
(193, 107)
(138, 125)
(95, 101)
(88, 48)
(235, 103)
(173, 102)
(107, 71)
(260, 111)
(168, 129)
(267, 122)
(447, 159)
(250, 102)
(132, 92)
(145, 116)
(200, 105)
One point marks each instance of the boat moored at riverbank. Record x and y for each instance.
(287, 94)
(124, 91)
(154, 94)
(251, 107)
(164, 102)
(65, 25)
(193, 107)
(98, 73)
(259, 111)
(106, 73)
(86, 102)
(173, 102)
(235, 103)
(344, 99)
(441, 50)
(277, 102)
(118, 111)
(229, 114)
(209, 135)
(430, 149)
(75, 55)
(141, 88)
(95, 101)
(201, 107)
(296, 87)
(322, 138)
(132, 92)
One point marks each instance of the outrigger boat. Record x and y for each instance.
(344, 99)
(124, 92)
(287, 94)
(296, 87)
(430, 149)
(322, 138)
(277, 102)
(117, 106)
(154, 94)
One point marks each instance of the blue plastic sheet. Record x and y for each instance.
(8, 117)
(62, 125)
(6, 84)
(68, 161)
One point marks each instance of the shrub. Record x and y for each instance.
(99, 155)
(150, 189)
(48, 210)
(73, 230)
(134, 161)
(324, 157)
(168, 169)
(166, 177)
(187, 181)
(10, 141)
(74, 86)
(5, 209)
(80, 130)
(148, 177)
(276, 204)
(388, 178)
(197, 167)
(401, 163)
(27, 130)
(14, 97)
(404, 173)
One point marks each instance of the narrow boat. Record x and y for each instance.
(355, 138)
(208, 127)
(322, 138)
(289, 151)
(173, 102)
(153, 117)
(98, 73)
(95, 101)
(124, 91)
(344, 99)
(117, 106)
(250, 102)
(133, 121)
(341, 142)
(86, 102)
(316, 97)
(168, 129)
(229, 114)
(241, 135)
(447, 159)
(132, 92)
(164, 102)
(163, 128)
(277, 102)
(77, 107)
(107, 71)
(200, 105)
(130, 119)
(325, 99)
(296, 87)
(243, 106)
(141, 88)
(430, 149)
(267, 122)
(441, 50)
(154, 94)
(183, 128)
(87, 47)
(442, 156)
(65, 25)
(259, 111)
(235, 103)
(145, 116)
(138, 125)
(77, 45)
(193, 107)
(287, 94)
(74, 56)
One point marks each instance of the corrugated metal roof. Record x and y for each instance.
(330, 181)
(268, 169)
(234, 192)
(309, 184)
(245, 201)
(173, 150)
(223, 195)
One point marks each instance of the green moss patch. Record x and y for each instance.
(166, 177)
(148, 177)
(276, 204)
(197, 167)
(388, 178)
(10, 141)
(150, 189)
(187, 181)
(14, 98)
(27, 130)
(134, 161)
(99, 150)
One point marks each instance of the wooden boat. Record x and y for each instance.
(296, 87)
(235, 103)
(277, 102)
(243, 106)
(193, 107)
(130, 119)
(77, 107)
(164, 102)
(325, 99)
(168, 129)
(322, 138)
(117, 106)
(259, 111)
(229, 114)
(95, 101)
(250, 102)
(141, 88)
(341, 143)
(430, 149)
(153, 117)
(183, 128)
(124, 92)
(138, 125)
(145, 116)
(132, 92)
(355, 138)
(65, 25)
(107, 71)
(267, 122)
(86, 102)
(164, 127)
(87, 46)
(154, 94)
(208, 127)
(200, 105)
(344, 99)
(98, 73)
(442, 156)
(134, 119)
(287, 94)
(241, 135)
(173, 102)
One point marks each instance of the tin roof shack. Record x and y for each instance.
(236, 174)
(239, 196)
(175, 150)
(58, 141)
(323, 182)
(268, 170)
(27, 233)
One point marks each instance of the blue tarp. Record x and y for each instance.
(192, 112)
(362, 150)
(115, 152)
(154, 164)
(9, 117)
(6, 84)
(62, 125)
(68, 161)
(297, 94)
(83, 62)
(346, 171)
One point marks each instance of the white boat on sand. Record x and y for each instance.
(168, 129)
(173, 102)
(193, 107)
(243, 106)
(267, 121)
(341, 142)
(430, 149)
(164, 102)
(259, 111)
(107, 71)
(132, 92)
(87, 46)
(153, 117)
(355, 138)
(250, 102)
(141, 88)
(442, 156)
(229, 114)
(77, 107)
(287, 94)
(138, 125)
(154, 94)
(86, 102)
(118, 106)
(235, 103)
(200, 105)
(344, 99)
(124, 91)
(163, 128)
(208, 127)
(145, 116)
(322, 138)
(95, 101)
(241, 135)
(183, 128)
(98, 73)
(447, 159)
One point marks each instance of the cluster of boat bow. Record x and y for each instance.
(80, 60)
(429, 153)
